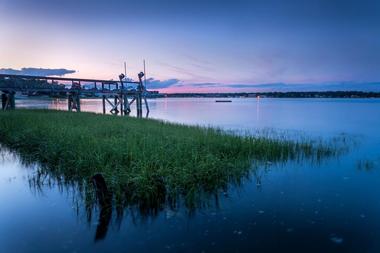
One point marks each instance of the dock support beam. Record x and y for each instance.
(124, 104)
(117, 103)
(139, 105)
(73, 102)
(126, 107)
(146, 106)
(104, 104)
(140, 89)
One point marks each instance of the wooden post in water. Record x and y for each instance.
(139, 95)
(138, 105)
(126, 109)
(124, 104)
(104, 104)
(73, 101)
(69, 102)
(121, 97)
(70, 98)
(78, 101)
(146, 106)
(116, 101)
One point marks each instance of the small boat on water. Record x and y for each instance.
(223, 101)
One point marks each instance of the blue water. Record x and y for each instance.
(332, 206)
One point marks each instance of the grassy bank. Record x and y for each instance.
(142, 160)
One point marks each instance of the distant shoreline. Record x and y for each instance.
(311, 94)
(295, 94)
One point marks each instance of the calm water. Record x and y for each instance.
(333, 206)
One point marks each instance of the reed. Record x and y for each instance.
(142, 160)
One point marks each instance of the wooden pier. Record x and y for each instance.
(117, 94)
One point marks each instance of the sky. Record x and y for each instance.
(198, 46)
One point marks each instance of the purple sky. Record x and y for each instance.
(199, 45)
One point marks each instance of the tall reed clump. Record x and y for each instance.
(143, 160)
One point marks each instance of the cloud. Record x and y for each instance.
(285, 87)
(37, 71)
(343, 86)
(152, 83)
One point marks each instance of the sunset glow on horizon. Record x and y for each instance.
(190, 44)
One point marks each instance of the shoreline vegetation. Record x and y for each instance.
(144, 162)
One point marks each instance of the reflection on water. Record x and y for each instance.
(92, 196)
(299, 206)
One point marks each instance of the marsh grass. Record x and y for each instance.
(144, 161)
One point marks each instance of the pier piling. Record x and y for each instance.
(73, 101)
(104, 104)
(8, 100)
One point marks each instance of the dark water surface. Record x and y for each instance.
(331, 206)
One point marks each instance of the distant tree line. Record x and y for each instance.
(19, 83)
(295, 94)
(33, 87)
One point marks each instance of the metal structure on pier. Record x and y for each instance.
(117, 94)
